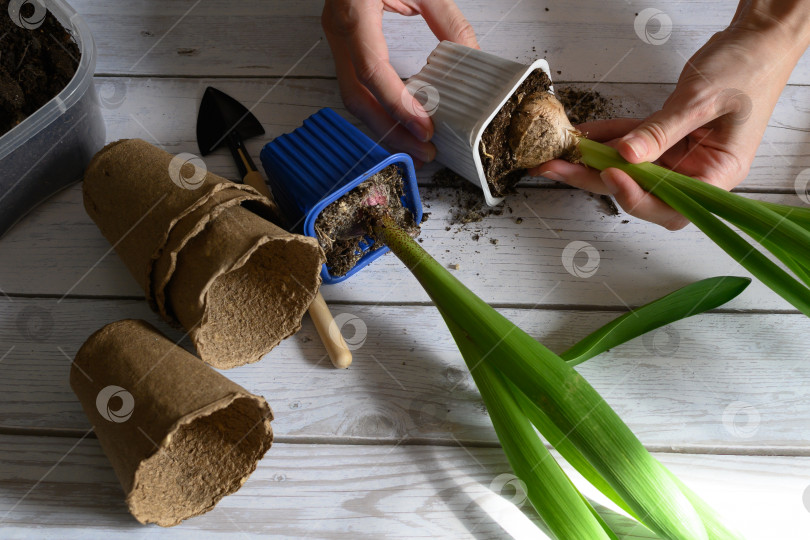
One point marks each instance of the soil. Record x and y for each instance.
(467, 208)
(35, 65)
(345, 228)
(495, 152)
(468, 205)
(584, 105)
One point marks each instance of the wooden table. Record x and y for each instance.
(400, 445)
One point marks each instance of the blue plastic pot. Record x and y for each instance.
(319, 162)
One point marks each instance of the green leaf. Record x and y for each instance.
(500, 403)
(566, 448)
(570, 403)
(663, 185)
(689, 300)
(797, 214)
(560, 505)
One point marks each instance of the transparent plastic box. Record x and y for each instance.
(49, 150)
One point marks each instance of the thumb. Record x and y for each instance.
(659, 132)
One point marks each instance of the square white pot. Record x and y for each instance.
(464, 90)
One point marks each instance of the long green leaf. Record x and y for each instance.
(797, 214)
(600, 156)
(560, 505)
(564, 395)
(741, 211)
(798, 268)
(607, 518)
(566, 448)
(689, 300)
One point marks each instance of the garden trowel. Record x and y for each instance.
(223, 120)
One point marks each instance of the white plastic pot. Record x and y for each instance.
(464, 89)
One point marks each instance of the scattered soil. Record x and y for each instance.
(345, 227)
(496, 154)
(467, 206)
(609, 205)
(584, 105)
(35, 65)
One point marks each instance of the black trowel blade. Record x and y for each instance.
(219, 116)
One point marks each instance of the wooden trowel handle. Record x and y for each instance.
(330, 334)
(255, 180)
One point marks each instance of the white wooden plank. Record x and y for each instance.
(164, 112)
(57, 249)
(584, 41)
(716, 382)
(320, 491)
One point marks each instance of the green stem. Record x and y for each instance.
(691, 198)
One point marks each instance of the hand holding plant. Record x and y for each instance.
(711, 125)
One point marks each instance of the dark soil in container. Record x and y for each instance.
(35, 64)
(344, 227)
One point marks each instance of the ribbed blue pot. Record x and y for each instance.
(318, 163)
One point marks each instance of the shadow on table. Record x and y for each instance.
(414, 418)
(64, 487)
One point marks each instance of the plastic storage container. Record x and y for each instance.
(318, 163)
(49, 150)
(468, 87)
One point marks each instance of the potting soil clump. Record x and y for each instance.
(35, 64)
(496, 154)
(532, 128)
(345, 227)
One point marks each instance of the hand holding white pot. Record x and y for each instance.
(370, 87)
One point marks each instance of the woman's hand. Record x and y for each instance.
(369, 85)
(711, 125)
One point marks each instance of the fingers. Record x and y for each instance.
(628, 194)
(448, 23)
(361, 103)
(369, 54)
(355, 28)
(662, 130)
(637, 202)
(573, 175)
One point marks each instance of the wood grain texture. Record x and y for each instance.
(334, 491)
(717, 382)
(373, 451)
(57, 249)
(261, 38)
